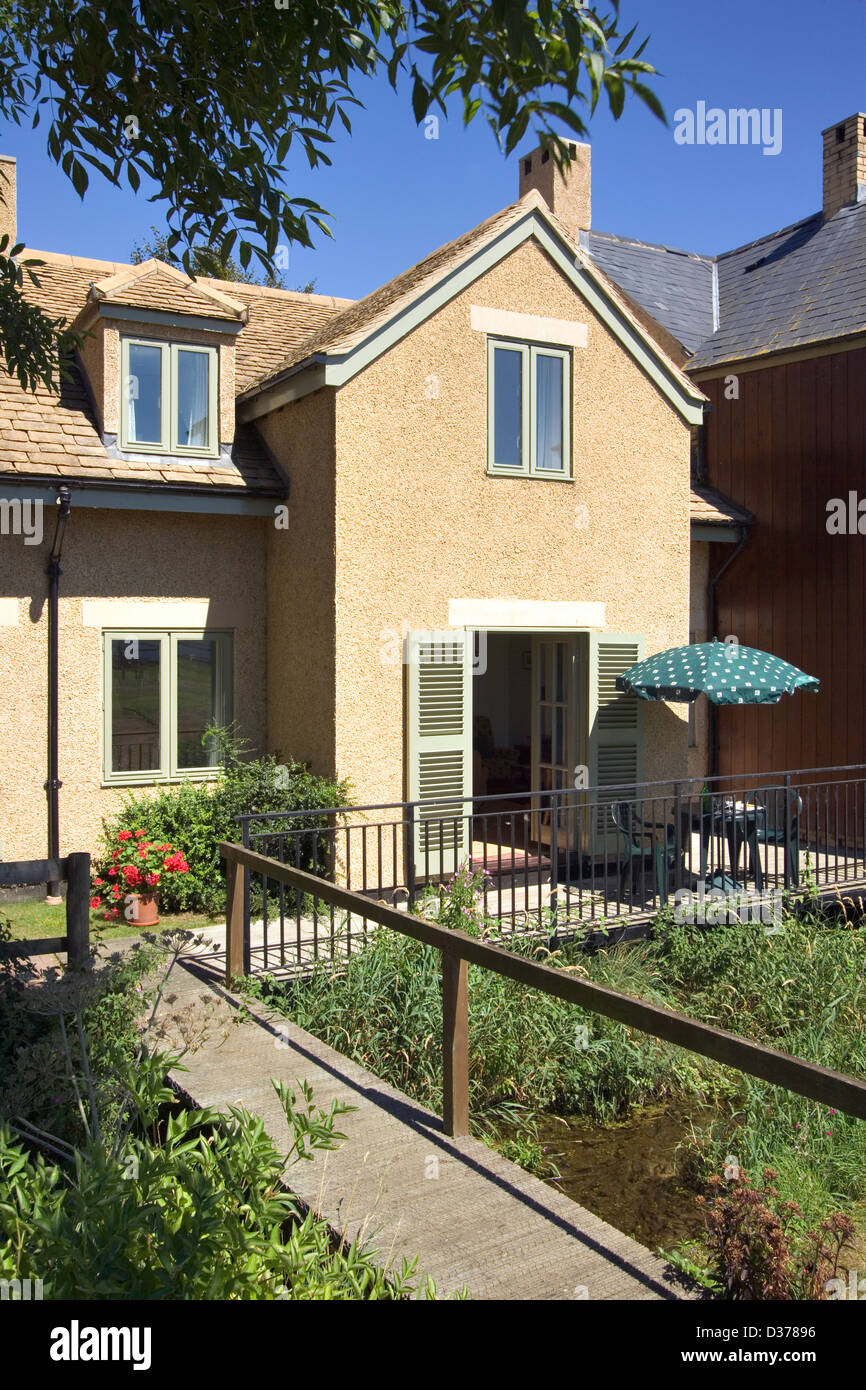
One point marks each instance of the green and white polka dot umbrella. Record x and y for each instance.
(725, 672)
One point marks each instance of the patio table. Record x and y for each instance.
(727, 820)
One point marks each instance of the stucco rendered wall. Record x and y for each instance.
(419, 522)
(149, 558)
(300, 585)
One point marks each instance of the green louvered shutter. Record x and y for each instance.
(615, 729)
(439, 666)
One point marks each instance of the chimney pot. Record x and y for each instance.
(568, 194)
(844, 164)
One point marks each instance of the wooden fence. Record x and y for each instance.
(459, 950)
(75, 870)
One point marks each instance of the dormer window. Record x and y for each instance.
(168, 398)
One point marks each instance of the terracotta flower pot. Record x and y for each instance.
(145, 911)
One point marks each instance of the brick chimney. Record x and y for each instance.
(8, 199)
(567, 195)
(844, 164)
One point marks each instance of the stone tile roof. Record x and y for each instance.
(804, 284)
(154, 285)
(46, 437)
(278, 320)
(712, 508)
(347, 330)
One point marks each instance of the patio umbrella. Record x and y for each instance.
(725, 672)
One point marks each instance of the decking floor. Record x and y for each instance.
(474, 1221)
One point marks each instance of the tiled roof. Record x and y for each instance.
(45, 437)
(278, 321)
(712, 508)
(675, 287)
(804, 284)
(154, 285)
(347, 330)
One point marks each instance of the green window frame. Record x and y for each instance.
(530, 355)
(166, 721)
(169, 441)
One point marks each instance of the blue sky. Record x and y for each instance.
(396, 195)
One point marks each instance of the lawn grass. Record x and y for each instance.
(34, 918)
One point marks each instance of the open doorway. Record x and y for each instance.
(502, 718)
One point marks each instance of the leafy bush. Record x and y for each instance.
(203, 1214)
(760, 1249)
(194, 816)
(110, 1189)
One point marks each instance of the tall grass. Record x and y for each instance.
(801, 988)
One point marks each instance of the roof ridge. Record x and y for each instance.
(245, 287)
(654, 245)
(768, 236)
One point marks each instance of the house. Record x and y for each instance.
(776, 338)
(411, 539)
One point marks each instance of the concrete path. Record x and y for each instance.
(474, 1220)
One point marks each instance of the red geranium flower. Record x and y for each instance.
(112, 873)
(139, 834)
(124, 835)
(95, 902)
(98, 882)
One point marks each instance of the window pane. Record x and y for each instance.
(548, 413)
(192, 400)
(507, 408)
(144, 394)
(200, 688)
(134, 705)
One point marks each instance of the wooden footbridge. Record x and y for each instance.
(474, 1221)
(415, 1185)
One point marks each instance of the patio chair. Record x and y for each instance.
(642, 850)
(772, 826)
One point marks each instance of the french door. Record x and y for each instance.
(557, 745)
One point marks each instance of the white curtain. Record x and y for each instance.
(193, 403)
(548, 412)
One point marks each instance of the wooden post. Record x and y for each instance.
(455, 1046)
(78, 911)
(235, 875)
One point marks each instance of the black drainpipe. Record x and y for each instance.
(713, 607)
(53, 785)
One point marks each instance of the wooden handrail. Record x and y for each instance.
(831, 1088)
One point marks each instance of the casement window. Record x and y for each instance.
(529, 415)
(168, 398)
(161, 691)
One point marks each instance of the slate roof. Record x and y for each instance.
(676, 287)
(804, 284)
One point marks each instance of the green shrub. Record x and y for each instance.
(194, 816)
(111, 1189)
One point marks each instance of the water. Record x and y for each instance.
(625, 1173)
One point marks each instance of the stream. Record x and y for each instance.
(625, 1174)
